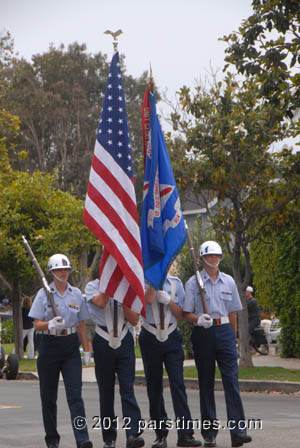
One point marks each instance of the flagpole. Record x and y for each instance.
(115, 36)
(161, 306)
(151, 81)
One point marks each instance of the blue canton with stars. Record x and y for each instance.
(113, 128)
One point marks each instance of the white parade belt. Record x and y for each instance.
(160, 334)
(108, 335)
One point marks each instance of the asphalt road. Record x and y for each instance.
(21, 419)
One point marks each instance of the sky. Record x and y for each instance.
(178, 38)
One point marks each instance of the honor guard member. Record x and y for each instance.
(59, 350)
(113, 346)
(213, 339)
(161, 344)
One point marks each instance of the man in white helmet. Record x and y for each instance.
(213, 339)
(59, 350)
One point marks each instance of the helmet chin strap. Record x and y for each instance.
(212, 265)
(59, 279)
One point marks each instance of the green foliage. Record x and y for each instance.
(186, 328)
(276, 269)
(48, 218)
(9, 125)
(7, 336)
(228, 133)
(61, 94)
(184, 262)
(267, 49)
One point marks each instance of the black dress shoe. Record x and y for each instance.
(85, 444)
(240, 439)
(188, 440)
(210, 441)
(110, 444)
(134, 441)
(160, 442)
(53, 445)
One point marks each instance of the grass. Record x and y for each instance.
(254, 373)
(25, 365)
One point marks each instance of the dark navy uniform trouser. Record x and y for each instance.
(155, 355)
(217, 343)
(60, 354)
(108, 363)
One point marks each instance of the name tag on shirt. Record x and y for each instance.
(226, 295)
(75, 307)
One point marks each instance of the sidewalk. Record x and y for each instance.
(245, 385)
(88, 375)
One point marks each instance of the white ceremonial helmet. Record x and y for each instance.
(58, 261)
(249, 289)
(210, 248)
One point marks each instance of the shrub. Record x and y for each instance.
(8, 333)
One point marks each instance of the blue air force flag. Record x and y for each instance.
(162, 231)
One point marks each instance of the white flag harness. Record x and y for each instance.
(161, 334)
(113, 341)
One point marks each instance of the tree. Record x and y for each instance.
(228, 135)
(49, 218)
(58, 97)
(32, 206)
(266, 48)
(275, 262)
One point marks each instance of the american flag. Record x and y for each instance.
(110, 206)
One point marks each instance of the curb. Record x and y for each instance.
(192, 383)
(245, 385)
(27, 376)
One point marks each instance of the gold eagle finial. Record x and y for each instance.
(115, 35)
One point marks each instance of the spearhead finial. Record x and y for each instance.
(151, 80)
(115, 35)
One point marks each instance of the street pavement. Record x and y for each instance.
(273, 419)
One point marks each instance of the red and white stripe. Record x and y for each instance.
(111, 214)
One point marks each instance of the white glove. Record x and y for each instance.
(204, 321)
(57, 323)
(86, 358)
(163, 297)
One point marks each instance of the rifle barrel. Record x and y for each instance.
(42, 276)
(196, 270)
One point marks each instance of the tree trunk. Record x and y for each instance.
(17, 319)
(89, 275)
(245, 354)
(244, 346)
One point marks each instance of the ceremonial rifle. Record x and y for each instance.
(43, 279)
(196, 269)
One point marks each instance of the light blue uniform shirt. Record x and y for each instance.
(222, 296)
(96, 313)
(178, 299)
(71, 306)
